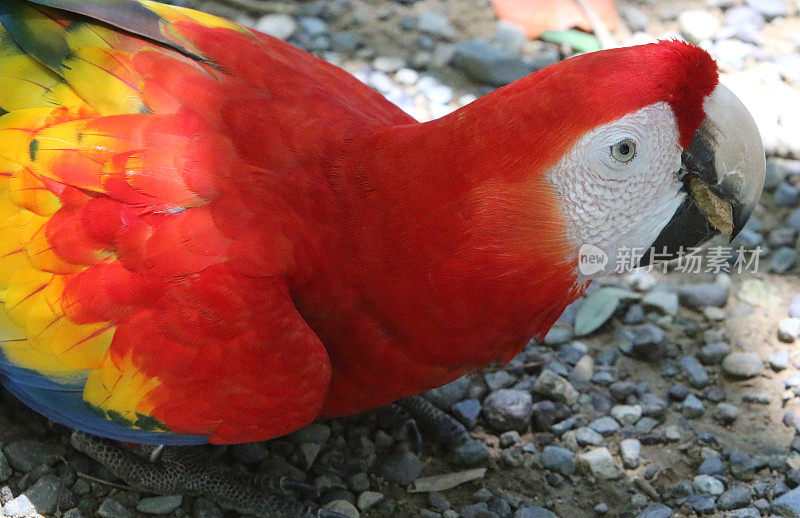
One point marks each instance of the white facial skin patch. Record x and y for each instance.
(618, 202)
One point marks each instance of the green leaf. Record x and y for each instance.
(598, 307)
(580, 41)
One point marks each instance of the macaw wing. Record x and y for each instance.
(140, 258)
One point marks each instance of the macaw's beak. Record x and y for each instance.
(722, 173)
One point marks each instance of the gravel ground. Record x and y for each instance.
(658, 394)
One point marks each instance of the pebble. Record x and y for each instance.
(630, 450)
(788, 504)
(604, 425)
(702, 504)
(281, 26)
(5, 468)
(447, 395)
(556, 388)
(627, 414)
(742, 364)
(111, 508)
(20, 507)
(666, 301)
(782, 260)
(586, 436)
(342, 507)
(708, 484)
(656, 511)
(642, 341)
(714, 352)
(734, 498)
(711, 466)
(499, 380)
(467, 411)
(692, 407)
(703, 294)
(435, 24)
(368, 499)
(484, 63)
(695, 373)
(508, 409)
(558, 459)
(401, 468)
(787, 195)
(26, 454)
(726, 413)
(534, 512)
(778, 361)
(600, 463)
(44, 494)
(788, 329)
(697, 26)
(768, 8)
(159, 504)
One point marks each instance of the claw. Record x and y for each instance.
(414, 435)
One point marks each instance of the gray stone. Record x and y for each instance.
(697, 26)
(467, 411)
(205, 508)
(26, 454)
(666, 301)
(534, 512)
(768, 8)
(490, 65)
(601, 508)
(703, 294)
(634, 17)
(708, 484)
(711, 466)
(44, 494)
(281, 26)
(782, 260)
(787, 195)
(726, 413)
(692, 407)
(5, 468)
(401, 468)
(315, 432)
(509, 36)
(702, 504)
(447, 395)
(111, 508)
(342, 507)
(627, 414)
(734, 498)
(788, 504)
(368, 500)
(19, 507)
(555, 387)
(558, 459)
(159, 505)
(557, 335)
(600, 464)
(508, 409)
(788, 329)
(630, 450)
(656, 511)
(313, 26)
(471, 453)
(345, 42)
(714, 352)
(745, 24)
(586, 436)
(250, 452)
(779, 360)
(604, 425)
(742, 364)
(642, 341)
(499, 380)
(435, 24)
(695, 373)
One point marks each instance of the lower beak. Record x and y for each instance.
(722, 173)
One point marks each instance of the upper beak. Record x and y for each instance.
(723, 174)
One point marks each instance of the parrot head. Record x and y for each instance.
(647, 153)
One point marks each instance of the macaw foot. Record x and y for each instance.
(442, 427)
(186, 470)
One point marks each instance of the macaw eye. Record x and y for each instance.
(624, 150)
